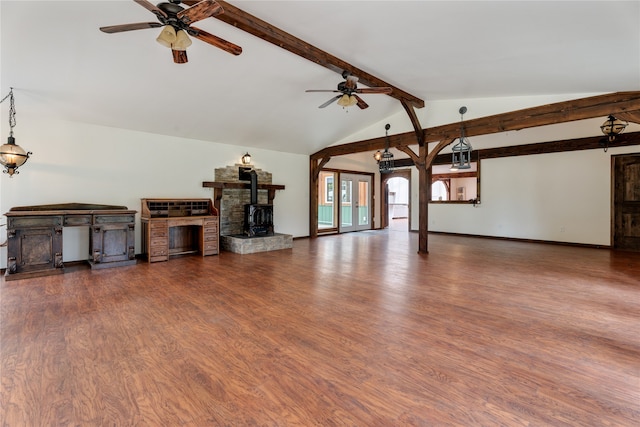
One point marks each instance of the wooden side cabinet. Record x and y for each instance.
(34, 237)
(172, 227)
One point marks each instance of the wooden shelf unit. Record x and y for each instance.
(173, 227)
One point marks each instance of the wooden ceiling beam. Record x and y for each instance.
(620, 104)
(259, 28)
(561, 146)
(630, 116)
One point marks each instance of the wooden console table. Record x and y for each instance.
(34, 237)
(178, 226)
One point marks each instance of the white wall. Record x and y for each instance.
(564, 197)
(82, 163)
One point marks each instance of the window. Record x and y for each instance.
(328, 189)
(346, 192)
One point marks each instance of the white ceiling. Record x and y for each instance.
(55, 57)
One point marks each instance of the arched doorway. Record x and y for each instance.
(396, 200)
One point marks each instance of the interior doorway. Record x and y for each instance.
(396, 203)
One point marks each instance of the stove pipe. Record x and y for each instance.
(248, 174)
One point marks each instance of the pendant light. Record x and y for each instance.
(461, 152)
(612, 127)
(385, 162)
(12, 156)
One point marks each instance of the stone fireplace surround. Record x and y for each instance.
(231, 210)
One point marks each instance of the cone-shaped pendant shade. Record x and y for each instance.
(167, 36)
(344, 100)
(182, 41)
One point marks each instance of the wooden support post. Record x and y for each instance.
(315, 167)
(424, 194)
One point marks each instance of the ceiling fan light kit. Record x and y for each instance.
(176, 26)
(182, 41)
(349, 92)
(167, 36)
(347, 100)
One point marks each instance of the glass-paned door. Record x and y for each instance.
(327, 206)
(355, 206)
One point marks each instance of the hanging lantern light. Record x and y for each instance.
(461, 152)
(385, 164)
(12, 156)
(612, 127)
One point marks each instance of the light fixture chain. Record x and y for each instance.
(12, 110)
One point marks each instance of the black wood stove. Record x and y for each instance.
(258, 218)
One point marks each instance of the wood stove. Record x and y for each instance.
(258, 218)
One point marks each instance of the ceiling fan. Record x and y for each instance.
(349, 92)
(176, 22)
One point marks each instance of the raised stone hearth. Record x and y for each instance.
(242, 244)
(230, 196)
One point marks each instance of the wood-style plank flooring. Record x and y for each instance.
(350, 330)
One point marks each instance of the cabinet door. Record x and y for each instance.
(33, 249)
(112, 242)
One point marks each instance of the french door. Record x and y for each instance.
(355, 202)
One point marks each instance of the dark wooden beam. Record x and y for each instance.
(274, 35)
(620, 104)
(417, 128)
(455, 175)
(588, 143)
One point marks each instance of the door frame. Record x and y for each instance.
(355, 180)
(617, 208)
(339, 173)
(384, 204)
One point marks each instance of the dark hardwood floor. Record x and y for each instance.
(350, 330)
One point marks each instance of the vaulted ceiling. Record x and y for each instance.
(62, 66)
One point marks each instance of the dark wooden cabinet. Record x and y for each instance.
(178, 226)
(34, 237)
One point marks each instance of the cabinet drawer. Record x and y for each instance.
(73, 220)
(35, 221)
(158, 242)
(158, 232)
(208, 222)
(158, 225)
(210, 229)
(113, 219)
(211, 246)
(158, 251)
(158, 258)
(178, 222)
(210, 237)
